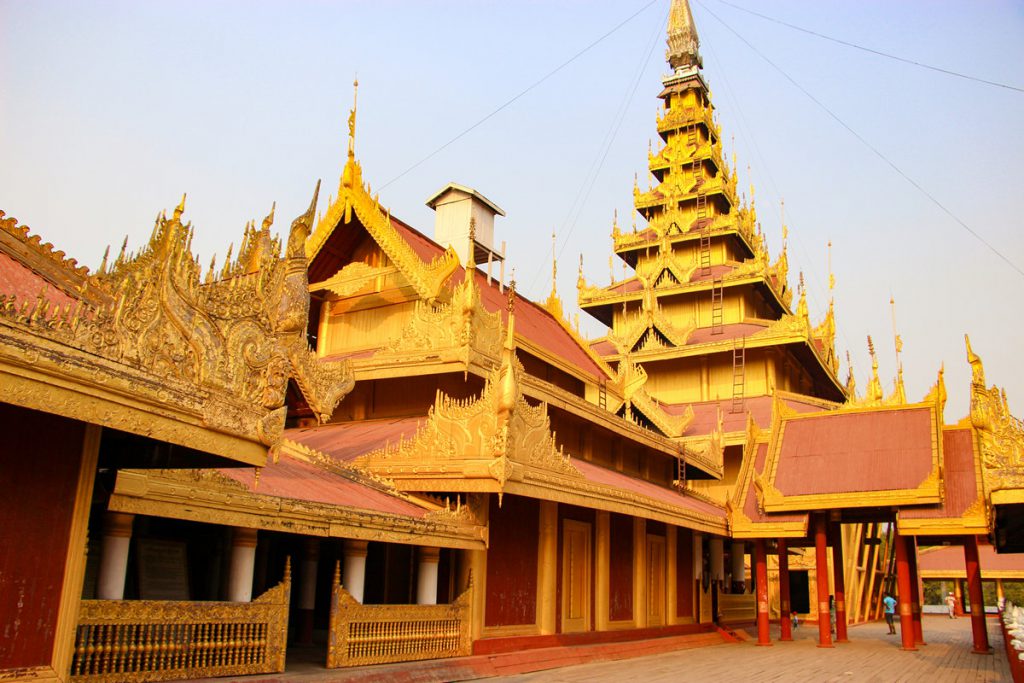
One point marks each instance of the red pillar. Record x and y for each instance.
(903, 583)
(821, 569)
(785, 625)
(915, 590)
(977, 598)
(839, 582)
(761, 579)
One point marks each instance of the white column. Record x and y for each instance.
(354, 578)
(426, 581)
(117, 536)
(716, 546)
(243, 561)
(738, 553)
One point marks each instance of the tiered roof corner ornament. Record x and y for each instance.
(1000, 436)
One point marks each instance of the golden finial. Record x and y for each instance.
(977, 369)
(851, 381)
(512, 293)
(352, 119)
(831, 275)
(269, 220)
(471, 257)
(611, 269)
(180, 208)
(683, 43)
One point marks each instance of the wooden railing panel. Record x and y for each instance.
(379, 634)
(134, 641)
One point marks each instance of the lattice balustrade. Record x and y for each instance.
(159, 640)
(378, 634)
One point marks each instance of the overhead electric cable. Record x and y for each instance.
(939, 69)
(589, 180)
(520, 94)
(867, 144)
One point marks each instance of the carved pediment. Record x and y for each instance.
(236, 337)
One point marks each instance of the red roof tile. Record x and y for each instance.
(750, 507)
(830, 453)
(346, 441)
(705, 413)
(959, 478)
(734, 331)
(950, 559)
(298, 480)
(600, 475)
(25, 285)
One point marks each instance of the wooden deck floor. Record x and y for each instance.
(872, 655)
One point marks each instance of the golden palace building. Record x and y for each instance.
(361, 442)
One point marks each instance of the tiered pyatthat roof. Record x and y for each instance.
(701, 245)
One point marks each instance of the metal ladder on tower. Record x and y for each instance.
(717, 307)
(696, 169)
(739, 376)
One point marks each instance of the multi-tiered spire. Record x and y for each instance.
(706, 312)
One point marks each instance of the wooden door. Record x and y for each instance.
(655, 580)
(576, 562)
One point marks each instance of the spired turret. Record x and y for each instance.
(707, 314)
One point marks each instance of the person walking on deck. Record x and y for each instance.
(951, 605)
(890, 612)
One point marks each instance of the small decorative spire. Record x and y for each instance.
(512, 293)
(683, 43)
(180, 208)
(471, 256)
(831, 275)
(851, 381)
(352, 119)
(269, 220)
(977, 369)
(875, 385)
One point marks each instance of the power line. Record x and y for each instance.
(939, 69)
(590, 179)
(521, 93)
(867, 144)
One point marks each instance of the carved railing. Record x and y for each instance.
(737, 608)
(379, 634)
(160, 640)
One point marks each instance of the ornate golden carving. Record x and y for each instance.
(233, 342)
(1000, 434)
(649, 327)
(428, 279)
(499, 427)
(378, 634)
(159, 640)
(461, 323)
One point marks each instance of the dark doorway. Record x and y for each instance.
(799, 592)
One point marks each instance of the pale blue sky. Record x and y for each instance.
(110, 110)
